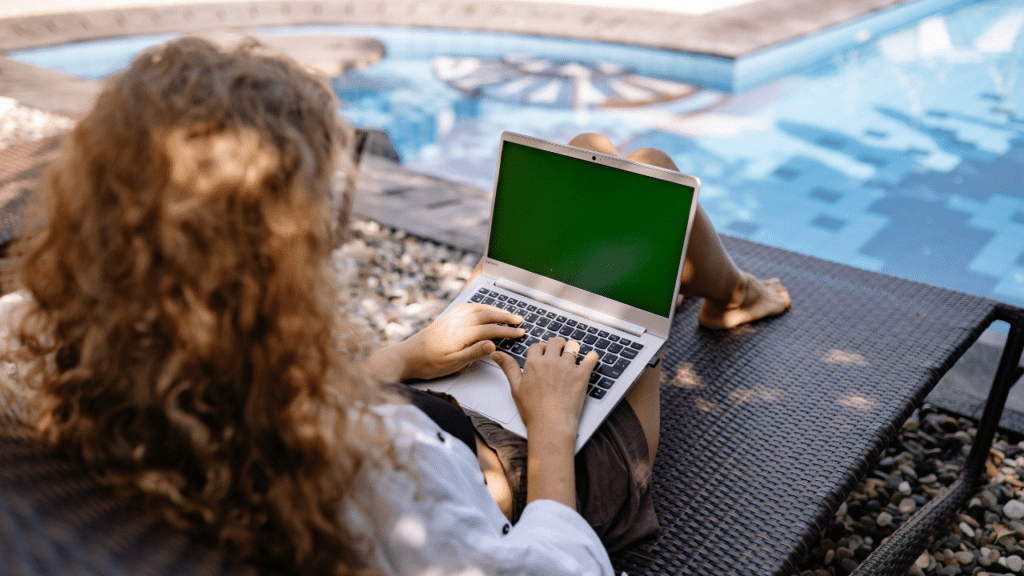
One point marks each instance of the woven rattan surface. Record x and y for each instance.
(765, 429)
(55, 520)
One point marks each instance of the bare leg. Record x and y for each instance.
(731, 296)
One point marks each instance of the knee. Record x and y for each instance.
(654, 157)
(595, 142)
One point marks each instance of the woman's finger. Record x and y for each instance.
(491, 315)
(474, 352)
(509, 366)
(589, 361)
(571, 350)
(493, 332)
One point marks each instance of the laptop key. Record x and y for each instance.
(578, 335)
(513, 301)
(488, 301)
(605, 383)
(531, 308)
(502, 297)
(531, 318)
(614, 347)
(582, 326)
(592, 330)
(602, 343)
(609, 359)
(477, 297)
(556, 326)
(543, 322)
(519, 349)
(594, 377)
(613, 337)
(636, 346)
(566, 330)
(590, 339)
(538, 331)
(551, 315)
(562, 319)
(629, 353)
(531, 341)
(603, 334)
(609, 371)
(597, 393)
(570, 322)
(622, 363)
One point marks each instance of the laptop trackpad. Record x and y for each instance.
(483, 387)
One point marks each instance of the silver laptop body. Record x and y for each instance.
(586, 246)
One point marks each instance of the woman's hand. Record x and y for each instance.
(550, 393)
(448, 345)
(551, 388)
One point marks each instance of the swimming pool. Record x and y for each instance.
(903, 154)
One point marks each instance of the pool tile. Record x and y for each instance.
(825, 195)
(829, 223)
(743, 228)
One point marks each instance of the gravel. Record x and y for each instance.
(22, 124)
(397, 283)
(923, 461)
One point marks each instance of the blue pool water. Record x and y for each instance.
(902, 154)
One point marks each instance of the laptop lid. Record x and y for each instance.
(600, 231)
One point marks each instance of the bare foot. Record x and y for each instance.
(752, 300)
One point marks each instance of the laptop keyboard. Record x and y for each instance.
(540, 323)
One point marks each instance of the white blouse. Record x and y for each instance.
(454, 525)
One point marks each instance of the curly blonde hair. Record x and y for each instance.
(183, 337)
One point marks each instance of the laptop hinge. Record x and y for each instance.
(613, 322)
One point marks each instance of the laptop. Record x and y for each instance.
(584, 246)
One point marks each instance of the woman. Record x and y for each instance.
(178, 332)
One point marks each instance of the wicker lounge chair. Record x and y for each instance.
(783, 416)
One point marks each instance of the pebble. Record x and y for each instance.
(884, 519)
(907, 506)
(988, 499)
(964, 557)
(1015, 563)
(848, 565)
(905, 488)
(20, 123)
(1014, 509)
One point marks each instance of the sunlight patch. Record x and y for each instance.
(411, 530)
(687, 379)
(836, 356)
(858, 402)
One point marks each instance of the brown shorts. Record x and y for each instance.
(613, 476)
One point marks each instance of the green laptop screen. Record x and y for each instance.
(608, 231)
